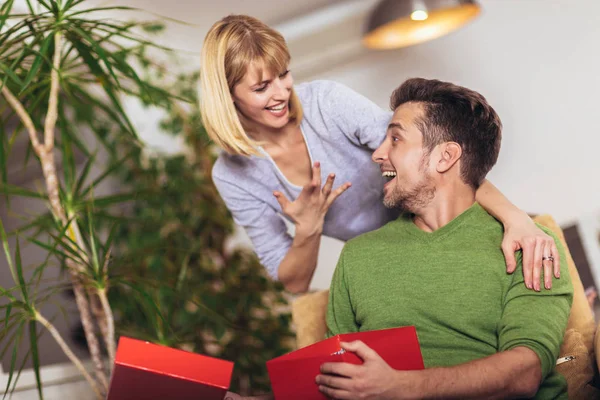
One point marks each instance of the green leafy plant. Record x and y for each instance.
(63, 73)
(211, 300)
(156, 254)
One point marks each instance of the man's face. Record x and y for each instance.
(405, 162)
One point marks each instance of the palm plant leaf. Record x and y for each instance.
(40, 57)
(19, 272)
(19, 191)
(13, 359)
(3, 155)
(5, 12)
(33, 342)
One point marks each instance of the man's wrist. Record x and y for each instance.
(411, 384)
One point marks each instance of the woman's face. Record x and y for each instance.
(264, 99)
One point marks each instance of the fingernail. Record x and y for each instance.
(528, 285)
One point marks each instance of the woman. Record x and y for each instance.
(279, 137)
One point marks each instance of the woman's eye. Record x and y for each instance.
(284, 74)
(261, 89)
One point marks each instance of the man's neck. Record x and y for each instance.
(448, 203)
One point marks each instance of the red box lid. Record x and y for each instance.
(147, 371)
(293, 375)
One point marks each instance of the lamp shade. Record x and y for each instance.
(401, 23)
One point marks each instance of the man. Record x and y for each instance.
(482, 333)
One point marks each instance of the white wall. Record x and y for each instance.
(537, 62)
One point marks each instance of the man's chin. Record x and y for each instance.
(397, 203)
(390, 202)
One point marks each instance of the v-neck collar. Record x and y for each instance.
(417, 232)
(274, 164)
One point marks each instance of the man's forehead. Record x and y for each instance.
(407, 113)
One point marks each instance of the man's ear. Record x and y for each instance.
(450, 153)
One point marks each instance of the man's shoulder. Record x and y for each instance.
(483, 226)
(548, 231)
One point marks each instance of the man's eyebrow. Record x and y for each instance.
(395, 125)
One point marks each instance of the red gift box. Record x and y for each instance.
(146, 371)
(293, 375)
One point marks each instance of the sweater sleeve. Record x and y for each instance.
(537, 320)
(340, 315)
(262, 223)
(362, 121)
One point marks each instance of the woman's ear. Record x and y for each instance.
(450, 153)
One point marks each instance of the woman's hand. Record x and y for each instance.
(309, 209)
(539, 251)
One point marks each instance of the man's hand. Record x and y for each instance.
(539, 253)
(374, 379)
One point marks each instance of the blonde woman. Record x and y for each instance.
(286, 145)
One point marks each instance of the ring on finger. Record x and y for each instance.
(549, 258)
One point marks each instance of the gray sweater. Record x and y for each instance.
(341, 129)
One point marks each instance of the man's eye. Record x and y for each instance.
(395, 139)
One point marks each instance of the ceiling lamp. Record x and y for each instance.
(401, 23)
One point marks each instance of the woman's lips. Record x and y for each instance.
(280, 113)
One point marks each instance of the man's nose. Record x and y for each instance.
(380, 154)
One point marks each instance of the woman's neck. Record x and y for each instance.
(283, 137)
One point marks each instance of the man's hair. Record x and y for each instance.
(455, 114)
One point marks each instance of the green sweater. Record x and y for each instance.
(453, 286)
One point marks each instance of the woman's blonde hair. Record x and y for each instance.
(230, 46)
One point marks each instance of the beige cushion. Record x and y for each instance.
(579, 337)
(579, 371)
(581, 317)
(308, 314)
